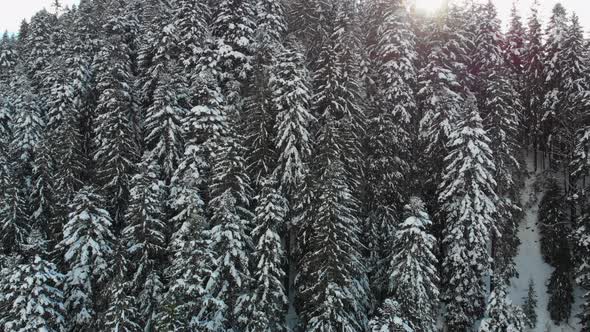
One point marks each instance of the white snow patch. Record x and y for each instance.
(530, 263)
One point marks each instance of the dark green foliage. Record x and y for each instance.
(529, 306)
(561, 296)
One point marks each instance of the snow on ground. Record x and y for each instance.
(530, 264)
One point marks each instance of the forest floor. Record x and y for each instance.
(530, 263)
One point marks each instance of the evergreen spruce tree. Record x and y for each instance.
(555, 248)
(145, 237)
(268, 302)
(88, 245)
(26, 129)
(582, 237)
(228, 283)
(192, 262)
(412, 268)
(191, 23)
(234, 25)
(560, 291)
(5, 120)
(121, 314)
(23, 34)
(37, 51)
(391, 121)
(577, 98)
(14, 219)
(205, 126)
(501, 314)
(258, 107)
(440, 100)
(61, 161)
(271, 18)
(500, 107)
(291, 97)
(394, 55)
(43, 187)
(34, 292)
(553, 224)
(390, 318)
(332, 280)
(515, 47)
(555, 108)
(8, 58)
(115, 136)
(157, 46)
(529, 306)
(468, 197)
(258, 110)
(533, 92)
(163, 130)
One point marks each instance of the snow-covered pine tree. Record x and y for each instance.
(61, 161)
(121, 314)
(554, 106)
(37, 50)
(561, 291)
(267, 303)
(331, 295)
(230, 241)
(162, 123)
(205, 126)
(26, 128)
(582, 237)
(258, 106)
(291, 100)
(234, 26)
(34, 292)
(533, 92)
(14, 218)
(5, 120)
(42, 197)
(501, 314)
(305, 18)
(554, 229)
(332, 280)
(499, 104)
(87, 245)
(497, 97)
(182, 304)
(145, 237)
(115, 136)
(191, 23)
(553, 224)
(390, 318)
(412, 268)
(468, 197)
(21, 39)
(577, 95)
(291, 97)
(514, 47)
(258, 113)
(390, 124)
(157, 46)
(440, 100)
(8, 59)
(529, 305)
(271, 18)
(77, 96)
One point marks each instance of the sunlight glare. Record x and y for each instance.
(429, 6)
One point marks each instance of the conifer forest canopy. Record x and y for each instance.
(292, 165)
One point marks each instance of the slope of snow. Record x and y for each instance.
(530, 264)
